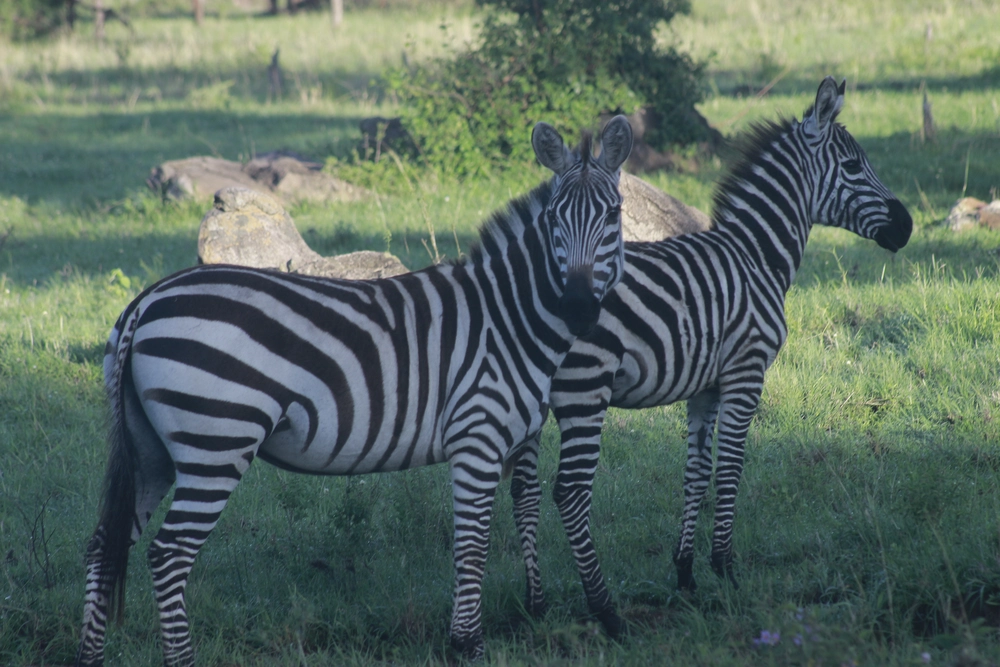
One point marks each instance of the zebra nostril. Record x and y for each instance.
(578, 307)
(896, 233)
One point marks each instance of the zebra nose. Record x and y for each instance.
(578, 307)
(896, 233)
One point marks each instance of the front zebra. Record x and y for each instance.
(701, 317)
(217, 365)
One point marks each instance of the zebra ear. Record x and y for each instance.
(616, 143)
(829, 100)
(550, 149)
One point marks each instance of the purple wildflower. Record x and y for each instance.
(767, 638)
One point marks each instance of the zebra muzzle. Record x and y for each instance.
(896, 234)
(578, 307)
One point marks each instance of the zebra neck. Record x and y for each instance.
(515, 268)
(774, 246)
(765, 207)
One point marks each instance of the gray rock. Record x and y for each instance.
(289, 176)
(250, 228)
(198, 178)
(649, 214)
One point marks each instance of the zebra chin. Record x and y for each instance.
(578, 307)
(896, 233)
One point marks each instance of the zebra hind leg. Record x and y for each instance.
(527, 494)
(138, 454)
(201, 495)
(734, 422)
(97, 601)
(703, 411)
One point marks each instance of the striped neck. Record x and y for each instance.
(765, 202)
(515, 245)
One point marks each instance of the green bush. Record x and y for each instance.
(564, 61)
(21, 19)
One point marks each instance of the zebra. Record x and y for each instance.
(700, 318)
(217, 365)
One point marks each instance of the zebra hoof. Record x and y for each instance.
(88, 661)
(722, 565)
(685, 573)
(614, 625)
(537, 608)
(471, 648)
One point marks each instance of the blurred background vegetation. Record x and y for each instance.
(869, 510)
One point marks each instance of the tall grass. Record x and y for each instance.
(868, 518)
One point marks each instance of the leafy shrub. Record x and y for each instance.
(564, 61)
(21, 19)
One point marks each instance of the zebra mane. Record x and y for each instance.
(586, 147)
(508, 223)
(748, 147)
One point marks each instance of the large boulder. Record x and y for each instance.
(198, 177)
(287, 175)
(649, 214)
(250, 228)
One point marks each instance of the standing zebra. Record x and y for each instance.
(700, 318)
(217, 365)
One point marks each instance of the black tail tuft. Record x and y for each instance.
(118, 504)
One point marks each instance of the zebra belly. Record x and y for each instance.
(287, 448)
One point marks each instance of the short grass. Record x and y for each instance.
(868, 518)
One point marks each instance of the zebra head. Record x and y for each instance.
(584, 218)
(848, 193)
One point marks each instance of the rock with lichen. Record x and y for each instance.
(251, 228)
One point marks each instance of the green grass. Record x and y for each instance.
(870, 505)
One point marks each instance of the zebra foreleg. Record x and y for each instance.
(738, 409)
(581, 446)
(527, 493)
(703, 412)
(474, 483)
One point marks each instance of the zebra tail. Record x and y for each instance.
(119, 494)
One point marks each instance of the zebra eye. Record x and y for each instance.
(613, 215)
(852, 166)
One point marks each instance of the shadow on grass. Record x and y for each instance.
(247, 82)
(89, 159)
(150, 255)
(803, 81)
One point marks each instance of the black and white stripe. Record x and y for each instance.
(217, 365)
(701, 318)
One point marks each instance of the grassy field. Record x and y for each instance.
(868, 530)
